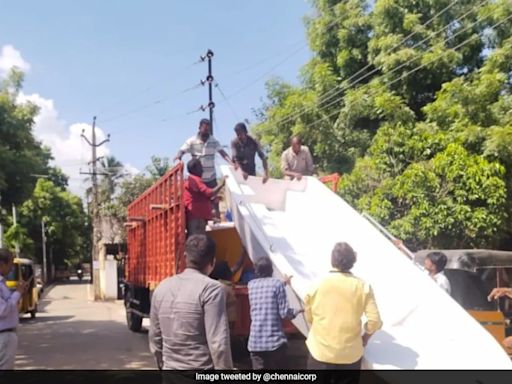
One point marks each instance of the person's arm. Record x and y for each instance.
(264, 161)
(10, 305)
(234, 154)
(308, 307)
(155, 332)
(205, 190)
(185, 148)
(217, 327)
(282, 302)
(496, 293)
(374, 322)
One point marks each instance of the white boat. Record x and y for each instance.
(297, 223)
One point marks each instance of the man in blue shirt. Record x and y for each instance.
(9, 316)
(269, 307)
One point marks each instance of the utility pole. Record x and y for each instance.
(96, 230)
(14, 220)
(209, 79)
(43, 238)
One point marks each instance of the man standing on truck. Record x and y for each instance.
(189, 326)
(197, 198)
(203, 146)
(9, 316)
(297, 161)
(243, 151)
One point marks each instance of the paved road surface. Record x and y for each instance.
(72, 332)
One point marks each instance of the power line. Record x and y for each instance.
(217, 86)
(342, 87)
(467, 41)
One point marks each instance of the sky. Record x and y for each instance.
(133, 64)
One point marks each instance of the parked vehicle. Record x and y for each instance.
(23, 270)
(62, 272)
(473, 273)
(156, 239)
(80, 274)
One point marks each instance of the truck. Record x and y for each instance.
(156, 240)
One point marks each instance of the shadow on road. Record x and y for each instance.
(52, 343)
(44, 319)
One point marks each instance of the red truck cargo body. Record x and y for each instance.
(156, 231)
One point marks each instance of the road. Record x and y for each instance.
(73, 332)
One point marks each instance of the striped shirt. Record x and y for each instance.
(269, 306)
(204, 151)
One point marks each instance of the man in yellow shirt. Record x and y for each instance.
(334, 310)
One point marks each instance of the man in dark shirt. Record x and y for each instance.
(243, 152)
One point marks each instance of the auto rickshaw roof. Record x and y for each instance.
(470, 259)
(20, 260)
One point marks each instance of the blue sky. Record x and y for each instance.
(111, 58)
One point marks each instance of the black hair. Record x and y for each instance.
(221, 271)
(199, 251)
(241, 127)
(439, 259)
(263, 267)
(5, 255)
(193, 167)
(343, 257)
(204, 121)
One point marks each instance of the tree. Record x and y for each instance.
(158, 167)
(21, 155)
(411, 101)
(65, 220)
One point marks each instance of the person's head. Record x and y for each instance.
(263, 267)
(221, 271)
(194, 167)
(200, 253)
(241, 131)
(435, 263)
(343, 257)
(6, 258)
(296, 144)
(204, 127)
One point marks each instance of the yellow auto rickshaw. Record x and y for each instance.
(23, 270)
(473, 273)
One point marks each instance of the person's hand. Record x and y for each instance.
(287, 279)
(265, 178)
(236, 166)
(245, 175)
(176, 159)
(300, 311)
(366, 337)
(507, 343)
(298, 176)
(22, 287)
(223, 180)
(496, 293)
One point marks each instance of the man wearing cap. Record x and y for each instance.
(243, 151)
(203, 146)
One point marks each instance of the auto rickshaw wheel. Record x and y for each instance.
(33, 313)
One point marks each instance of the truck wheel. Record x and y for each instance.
(134, 321)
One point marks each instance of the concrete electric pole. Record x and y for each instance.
(96, 223)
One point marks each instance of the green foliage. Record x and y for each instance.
(17, 235)
(416, 114)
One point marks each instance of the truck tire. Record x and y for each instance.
(134, 321)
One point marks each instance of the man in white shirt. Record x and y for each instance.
(297, 161)
(9, 317)
(435, 264)
(204, 146)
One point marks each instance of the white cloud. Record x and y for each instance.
(10, 57)
(69, 149)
